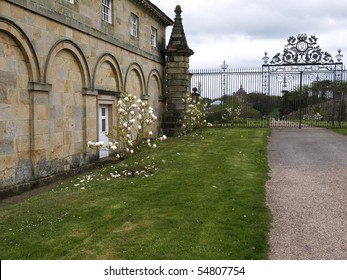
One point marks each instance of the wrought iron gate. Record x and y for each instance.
(301, 87)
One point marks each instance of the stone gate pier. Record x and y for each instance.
(177, 75)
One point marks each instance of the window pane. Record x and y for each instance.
(133, 25)
(103, 125)
(106, 10)
(154, 37)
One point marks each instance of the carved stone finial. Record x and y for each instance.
(178, 11)
(178, 41)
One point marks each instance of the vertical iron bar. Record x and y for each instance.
(300, 100)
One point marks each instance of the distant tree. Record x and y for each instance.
(229, 100)
(320, 90)
(261, 102)
(338, 87)
(343, 112)
(294, 100)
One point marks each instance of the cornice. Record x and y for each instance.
(154, 10)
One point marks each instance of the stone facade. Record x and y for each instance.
(59, 62)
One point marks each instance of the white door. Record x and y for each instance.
(103, 129)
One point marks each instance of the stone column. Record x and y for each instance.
(177, 76)
(90, 122)
(40, 145)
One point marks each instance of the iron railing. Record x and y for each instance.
(240, 97)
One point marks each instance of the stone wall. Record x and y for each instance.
(58, 63)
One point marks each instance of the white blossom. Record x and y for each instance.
(134, 115)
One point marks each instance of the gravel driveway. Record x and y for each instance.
(307, 194)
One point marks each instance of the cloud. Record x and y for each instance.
(240, 31)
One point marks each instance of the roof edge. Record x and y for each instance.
(154, 10)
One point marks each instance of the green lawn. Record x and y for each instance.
(342, 131)
(206, 200)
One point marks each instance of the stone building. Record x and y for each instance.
(241, 95)
(63, 65)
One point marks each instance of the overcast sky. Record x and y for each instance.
(239, 31)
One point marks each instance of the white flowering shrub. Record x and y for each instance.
(194, 116)
(134, 116)
(232, 114)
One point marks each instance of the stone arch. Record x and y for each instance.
(18, 67)
(111, 60)
(67, 70)
(23, 42)
(76, 52)
(135, 81)
(155, 92)
(154, 75)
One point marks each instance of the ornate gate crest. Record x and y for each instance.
(302, 63)
(302, 49)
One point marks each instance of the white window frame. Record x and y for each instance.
(106, 10)
(134, 25)
(154, 36)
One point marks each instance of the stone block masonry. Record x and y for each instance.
(58, 63)
(177, 73)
